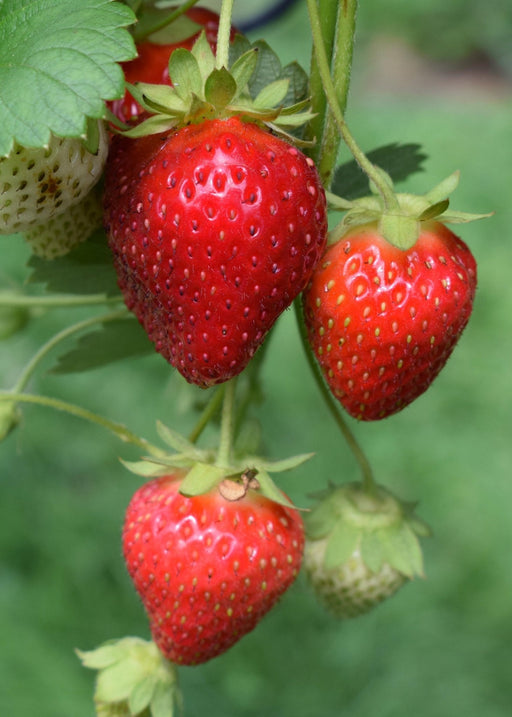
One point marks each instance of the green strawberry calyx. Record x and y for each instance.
(399, 217)
(204, 472)
(133, 678)
(380, 527)
(200, 91)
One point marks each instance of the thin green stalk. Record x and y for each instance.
(224, 32)
(34, 362)
(337, 20)
(123, 433)
(324, 70)
(368, 479)
(224, 454)
(55, 302)
(208, 413)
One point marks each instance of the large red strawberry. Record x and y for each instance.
(207, 568)
(215, 228)
(152, 61)
(383, 320)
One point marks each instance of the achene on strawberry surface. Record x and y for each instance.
(383, 321)
(206, 568)
(215, 228)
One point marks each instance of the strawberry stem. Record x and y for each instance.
(337, 28)
(223, 35)
(8, 298)
(383, 186)
(206, 416)
(123, 433)
(224, 454)
(368, 480)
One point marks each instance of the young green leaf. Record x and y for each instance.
(58, 63)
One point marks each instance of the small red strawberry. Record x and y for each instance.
(207, 568)
(215, 229)
(152, 61)
(382, 319)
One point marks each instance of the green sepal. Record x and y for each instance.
(401, 549)
(220, 88)
(269, 489)
(12, 318)
(321, 520)
(341, 544)
(243, 68)
(185, 74)
(372, 551)
(285, 464)
(201, 478)
(10, 416)
(434, 211)
(153, 125)
(133, 679)
(175, 440)
(272, 95)
(204, 57)
(145, 468)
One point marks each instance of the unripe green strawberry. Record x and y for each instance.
(64, 231)
(360, 548)
(36, 184)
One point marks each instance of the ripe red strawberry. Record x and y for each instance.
(383, 321)
(206, 568)
(152, 61)
(215, 228)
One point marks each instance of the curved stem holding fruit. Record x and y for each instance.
(379, 180)
(207, 414)
(224, 32)
(337, 31)
(123, 433)
(224, 454)
(368, 480)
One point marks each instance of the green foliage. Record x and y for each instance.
(59, 68)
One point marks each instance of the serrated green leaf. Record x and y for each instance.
(201, 478)
(114, 341)
(220, 88)
(272, 95)
(58, 63)
(402, 550)
(185, 74)
(341, 544)
(398, 160)
(87, 269)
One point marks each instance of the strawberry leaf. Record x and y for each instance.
(58, 63)
(114, 341)
(87, 269)
(398, 160)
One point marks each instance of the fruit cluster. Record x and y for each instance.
(216, 219)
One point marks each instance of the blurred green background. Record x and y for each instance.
(442, 646)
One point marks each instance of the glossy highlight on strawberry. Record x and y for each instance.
(206, 568)
(383, 321)
(215, 228)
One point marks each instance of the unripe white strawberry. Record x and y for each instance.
(360, 548)
(37, 184)
(61, 233)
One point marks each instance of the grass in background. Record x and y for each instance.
(441, 646)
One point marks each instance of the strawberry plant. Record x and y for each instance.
(182, 187)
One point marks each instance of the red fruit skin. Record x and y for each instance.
(214, 229)
(382, 322)
(207, 569)
(152, 61)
